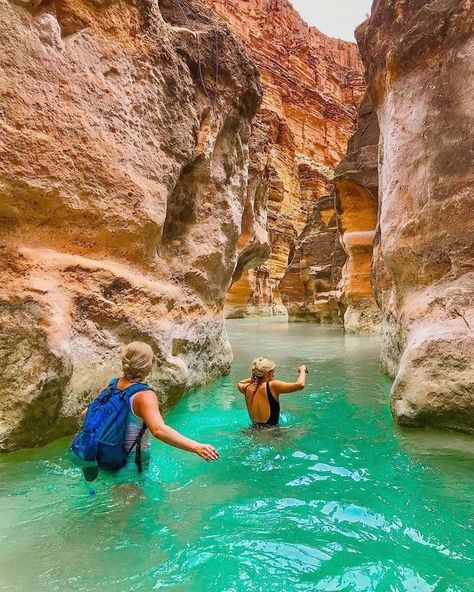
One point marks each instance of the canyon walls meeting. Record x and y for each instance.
(124, 131)
(145, 169)
(312, 85)
(419, 58)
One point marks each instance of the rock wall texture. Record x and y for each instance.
(356, 184)
(420, 62)
(123, 171)
(309, 287)
(312, 86)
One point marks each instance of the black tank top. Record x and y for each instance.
(274, 409)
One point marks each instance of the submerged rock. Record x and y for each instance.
(124, 131)
(420, 62)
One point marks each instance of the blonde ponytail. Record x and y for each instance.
(137, 361)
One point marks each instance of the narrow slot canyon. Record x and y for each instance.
(247, 177)
(351, 233)
(229, 236)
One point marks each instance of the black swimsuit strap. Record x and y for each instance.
(269, 392)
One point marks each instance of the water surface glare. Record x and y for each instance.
(339, 499)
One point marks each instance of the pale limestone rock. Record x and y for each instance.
(420, 62)
(49, 30)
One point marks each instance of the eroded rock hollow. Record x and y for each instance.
(356, 184)
(419, 58)
(124, 130)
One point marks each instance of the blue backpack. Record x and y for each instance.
(101, 442)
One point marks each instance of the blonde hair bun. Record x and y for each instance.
(262, 366)
(137, 360)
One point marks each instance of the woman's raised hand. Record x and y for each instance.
(303, 368)
(207, 452)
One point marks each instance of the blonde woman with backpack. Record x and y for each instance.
(118, 423)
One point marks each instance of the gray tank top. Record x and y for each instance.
(134, 426)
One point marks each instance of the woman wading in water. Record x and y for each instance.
(144, 415)
(262, 392)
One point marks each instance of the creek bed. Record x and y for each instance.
(337, 499)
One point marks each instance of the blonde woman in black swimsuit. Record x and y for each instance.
(262, 392)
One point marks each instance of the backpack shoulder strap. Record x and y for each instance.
(106, 392)
(133, 389)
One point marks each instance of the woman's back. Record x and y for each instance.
(262, 404)
(262, 391)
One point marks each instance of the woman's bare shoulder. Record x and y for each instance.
(148, 394)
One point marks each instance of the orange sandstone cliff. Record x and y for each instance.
(312, 86)
(356, 184)
(123, 171)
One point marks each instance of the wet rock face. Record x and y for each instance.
(312, 86)
(309, 286)
(420, 60)
(123, 169)
(356, 183)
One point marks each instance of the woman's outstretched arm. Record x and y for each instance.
(146, 406)
(280, 387)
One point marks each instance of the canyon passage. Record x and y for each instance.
(160, 171)
(167, 165)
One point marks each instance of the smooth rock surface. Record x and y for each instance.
(356, 184)
(420, 62)
(124, 131)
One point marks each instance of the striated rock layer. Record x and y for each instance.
(420, 62)
(312, 86)
(123, 170)
(356, 183)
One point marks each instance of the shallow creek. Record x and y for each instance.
(339, 499)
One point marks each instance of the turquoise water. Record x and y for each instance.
(339, 499)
